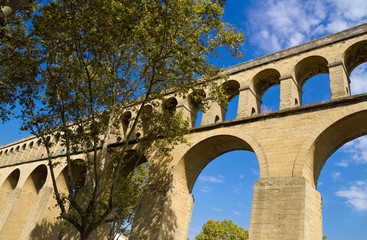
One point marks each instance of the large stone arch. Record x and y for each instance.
(8, 186)
(355, 55)
(196, 158)
(133, 158)
(47, 224)
(327, 138)
(23, 204)
(339, 133)
(206, 150)
(168, 200)
(10, 175)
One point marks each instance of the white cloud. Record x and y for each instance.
(236, 213)
(358, 79)
(356, 150)
(242, 176)
(336, 25)
(342, 163)
(349, 144)
(278, 24)
(212, 179)
(205, 189)
(335, 176)
(351, 10)
(236, 190)
(217, 209)
(356, 195)
(296, 39)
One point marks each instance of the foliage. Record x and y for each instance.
(75, 67)
(127, 198)
(17, 61)
(224, 230)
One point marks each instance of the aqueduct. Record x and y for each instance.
(291, 144)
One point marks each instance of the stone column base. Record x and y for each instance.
(286, 208)
(164, 212)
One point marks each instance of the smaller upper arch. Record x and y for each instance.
(232, 88)
(229, 109)
(56, 138)
(309, 67)
(355, 55)
(39, 142)
(125, 119)
(265, 79)
(196, 100)
(169, 105)
(146, 115)
(146, 111)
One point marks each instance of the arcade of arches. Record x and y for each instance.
(291, 145)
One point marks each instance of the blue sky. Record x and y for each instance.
(224, 188)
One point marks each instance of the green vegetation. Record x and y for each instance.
(224, 230)
(75, 68)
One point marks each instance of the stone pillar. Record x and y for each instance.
(9, 206)
(33, 153)
(20, 207)
(183, 108)
(164, 212)
(248, 103)
(7, 158)
(339, 80)
(215, 113)
(290, 93)
(285, 208)
(5, 192)
(38, 209)
(42, 222)
(25, 154)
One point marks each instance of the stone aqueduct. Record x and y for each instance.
(291, 144)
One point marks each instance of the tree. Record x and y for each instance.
(76, 67)
(224, 230)
(17, 52)
(9, 7)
